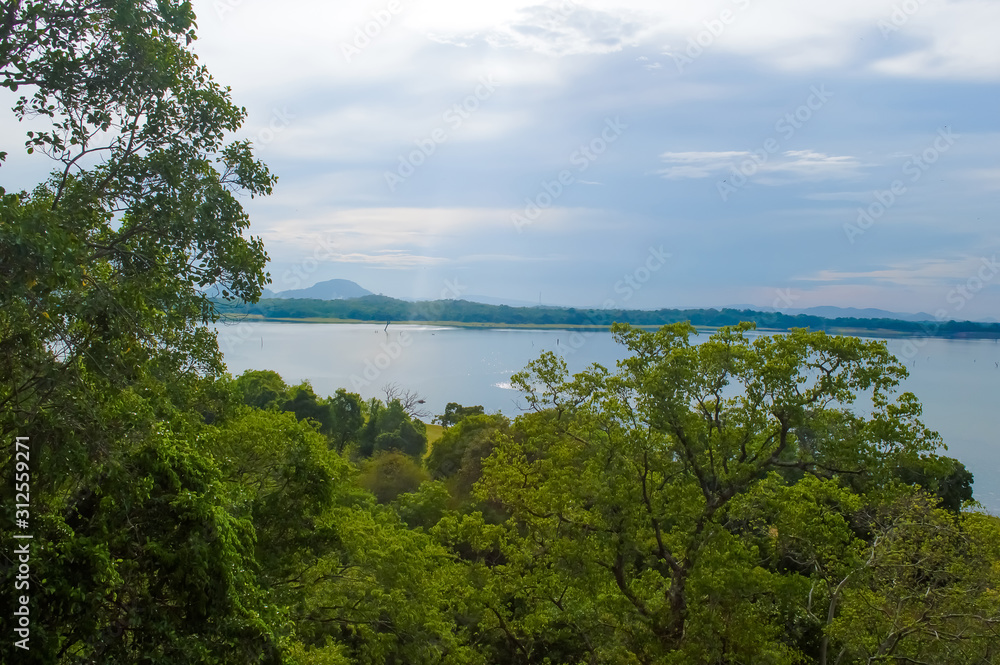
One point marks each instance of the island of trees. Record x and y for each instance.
(724, 502)
(462, 312)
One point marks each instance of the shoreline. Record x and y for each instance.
(850, 332)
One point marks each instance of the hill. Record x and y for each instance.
(332, 289)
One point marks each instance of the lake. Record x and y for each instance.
(957, 381)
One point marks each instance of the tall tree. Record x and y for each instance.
(105, 361)
(629, 540)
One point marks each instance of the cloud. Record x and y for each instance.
(388, 259)
(388, 227)
(791, 165)
(947, 40)
(556, 29)
(812, 165)
(699, 164)
(919, 273)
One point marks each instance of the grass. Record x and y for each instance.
(434, 433)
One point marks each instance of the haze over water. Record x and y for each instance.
(957, 381)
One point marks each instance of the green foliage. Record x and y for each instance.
(459, 453)
(454, 412)
(925, 590)
(700, 505)
(261, 389)
(347, 411)
(391, 473)
(946, 477)
(390, 427)
(426, 506)
(306, 405)
(145, 559)
(281, 475)
(105, 361)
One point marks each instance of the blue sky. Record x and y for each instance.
(430, 148)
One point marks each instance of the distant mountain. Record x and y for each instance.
(829, 312)
(855, 313)
(333, 289)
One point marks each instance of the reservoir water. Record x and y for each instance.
(957, 381)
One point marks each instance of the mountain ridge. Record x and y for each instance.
(331, 289)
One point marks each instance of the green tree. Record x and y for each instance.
(306, 405)
(454, 412)
(390, 473)
(459, 453)
(945, 477)
(627, 542)
(348, 413)
(390, 427)
(261, 389)
(105, 361)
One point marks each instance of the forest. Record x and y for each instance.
(383, 308)
(749, 499)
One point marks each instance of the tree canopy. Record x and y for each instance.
(753, 498)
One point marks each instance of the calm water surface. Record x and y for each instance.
(957, 381)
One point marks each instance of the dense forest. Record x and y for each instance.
(383, 308)
(749, 499)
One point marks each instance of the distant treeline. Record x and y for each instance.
(382, 308)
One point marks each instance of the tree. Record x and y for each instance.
(306, 405)
(261, 389)
(105, 361)
(628, 539)
(408, 399)
(454, 412)
(390, 427)
(391, 473)
(348, 413)
(459, 453)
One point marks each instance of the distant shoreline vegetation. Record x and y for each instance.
(464, 313)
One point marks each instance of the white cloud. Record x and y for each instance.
(305, 39)
(699, 164)
(387, 259)
(792, 165)
(956, 40)
(918, 273)
(812, 165)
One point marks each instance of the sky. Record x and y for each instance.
(635, 153)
